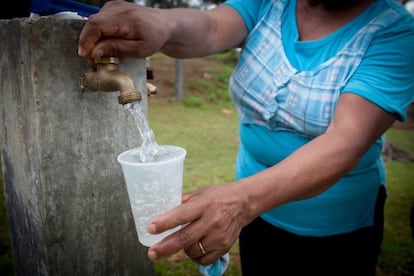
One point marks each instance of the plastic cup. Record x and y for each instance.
(153, 187)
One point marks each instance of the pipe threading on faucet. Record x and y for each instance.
(129, 97)
(108, 78)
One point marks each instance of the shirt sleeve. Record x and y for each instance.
(249, 10)
(385, 76)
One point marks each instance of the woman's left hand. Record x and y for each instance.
(212, 220)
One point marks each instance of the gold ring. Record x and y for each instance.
(202, 248)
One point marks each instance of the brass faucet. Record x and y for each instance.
(107, 78)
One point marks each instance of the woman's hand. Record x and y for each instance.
(124, 29)
(212, 219)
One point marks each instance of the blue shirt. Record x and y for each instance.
(286, 92)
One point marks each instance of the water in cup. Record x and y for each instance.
(153, 175)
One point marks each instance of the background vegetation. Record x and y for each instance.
(205, 123)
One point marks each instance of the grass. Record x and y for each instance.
(211, 139)
(202, 130)
(208, 130)
(398, 246)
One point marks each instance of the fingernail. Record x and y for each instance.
(81, 52)
(152, 255)
(152, 228)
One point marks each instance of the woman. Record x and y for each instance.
(317, 85)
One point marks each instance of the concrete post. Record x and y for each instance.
(67, 204)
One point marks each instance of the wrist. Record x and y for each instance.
(249, 199)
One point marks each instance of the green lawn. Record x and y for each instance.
(398, 246)
(207, 127)
(211, 141)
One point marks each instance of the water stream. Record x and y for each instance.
(149, 148)
(150, 151)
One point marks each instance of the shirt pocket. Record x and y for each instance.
(307, 103)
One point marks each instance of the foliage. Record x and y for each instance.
(210, 162)
(211, 140)
(193, 101)
(398, 245)
(212, 88)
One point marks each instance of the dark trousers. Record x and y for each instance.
(268, 250)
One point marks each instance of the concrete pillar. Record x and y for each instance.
(67, 204)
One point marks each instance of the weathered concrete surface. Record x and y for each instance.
(67, 205)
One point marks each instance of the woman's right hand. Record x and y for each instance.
(124, 29)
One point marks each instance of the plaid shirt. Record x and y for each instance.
(269, 91)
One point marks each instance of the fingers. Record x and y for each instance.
(187, 214)
(181, 239)
(113, 23)
(88, 37)
(185, 198)
(200, 253)
(121, 48)
(179, 215)
(199, 249)
(124, 29)
(213, 218)
(98, 35)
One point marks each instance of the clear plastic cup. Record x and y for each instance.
(153, 187)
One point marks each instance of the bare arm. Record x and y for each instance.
(208, 32)
(218, 213)
(126, 29)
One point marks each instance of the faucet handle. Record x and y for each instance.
(151, 89)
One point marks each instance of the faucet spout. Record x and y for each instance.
(107, 78)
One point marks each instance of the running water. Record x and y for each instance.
(149, 147)
(150, 151)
